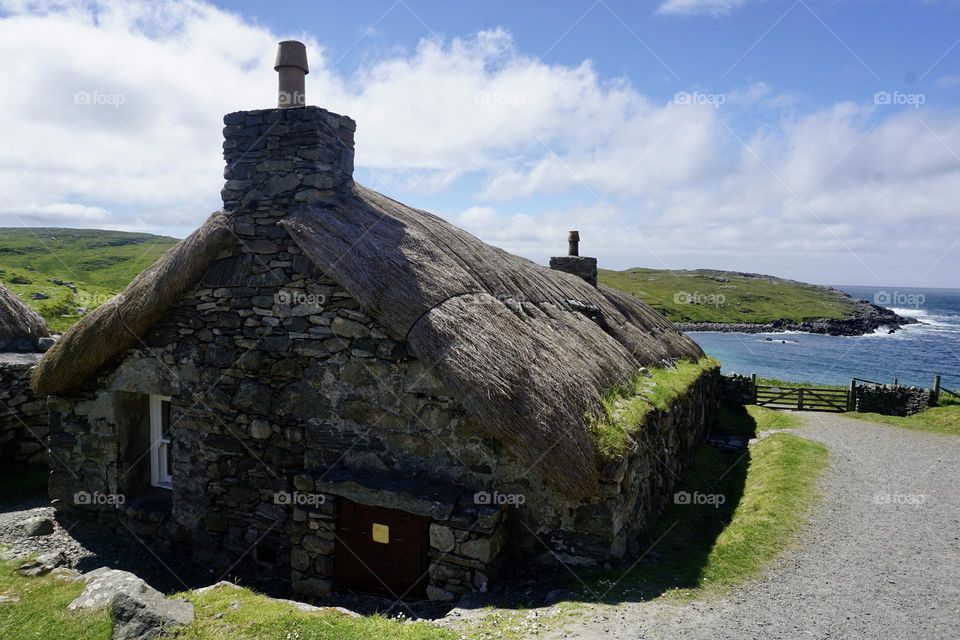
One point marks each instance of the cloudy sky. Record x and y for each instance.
(815, 139)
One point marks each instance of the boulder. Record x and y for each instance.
(36, 526)
(140, 616)
(42, 564)
(105, 583)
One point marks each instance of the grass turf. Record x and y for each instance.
(727, 297)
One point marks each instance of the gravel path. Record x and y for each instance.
(880, 557)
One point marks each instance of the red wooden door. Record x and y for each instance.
(381, 550)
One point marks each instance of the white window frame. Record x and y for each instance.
(160, 473)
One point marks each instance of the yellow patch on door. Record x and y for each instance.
(381, 533)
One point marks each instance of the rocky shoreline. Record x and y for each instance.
(867, 318)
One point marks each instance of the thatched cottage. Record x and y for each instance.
(324, 388)
(23, 417)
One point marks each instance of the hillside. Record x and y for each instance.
(728, 300)
(63, 273)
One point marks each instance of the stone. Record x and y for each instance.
(299, 559)
(104, 584)
(441, 538)
(349, 328)
(44, 344)
(42, 564)
(317, 545)
(147, 615)
(260, 429)
(314, 587)
(436, 593)
(36, 526)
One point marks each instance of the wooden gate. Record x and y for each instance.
(802, 398)
(381, 550)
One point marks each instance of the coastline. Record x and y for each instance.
(867, 318)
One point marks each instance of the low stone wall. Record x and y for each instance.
(23, 416)
(736, 389)
(609, 528)
(892, 400)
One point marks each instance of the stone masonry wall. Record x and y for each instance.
(737, 389)
(892, 400)
(634, 491)
(579, 266)
(23, 416)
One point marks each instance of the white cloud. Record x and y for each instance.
(700, 7)
(120, 111)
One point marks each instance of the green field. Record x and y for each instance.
(36, 261)
(98, 264)
(726, 296)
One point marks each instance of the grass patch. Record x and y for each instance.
(240, 614)
(941, 419)
(235, 613)
(766, 496)
(775, 382)
(98, 263)
(726, 296)
(42, 614)
(625, 408)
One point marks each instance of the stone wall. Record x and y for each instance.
(737, 389)
(892, 400)
(23, 416)
(634, 491)
(580, 266)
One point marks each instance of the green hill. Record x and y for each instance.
(730, 297)
(63, 273)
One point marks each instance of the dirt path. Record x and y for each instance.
(880, 557)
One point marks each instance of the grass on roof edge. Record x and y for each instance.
(626, 408)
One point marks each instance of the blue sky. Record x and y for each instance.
(816, 139)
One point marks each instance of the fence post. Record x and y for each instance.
(753, 377)
(852, 395)
(936, 388)
(800, 399)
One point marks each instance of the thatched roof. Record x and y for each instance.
(112, 328)
(20, 326)
(528, 351)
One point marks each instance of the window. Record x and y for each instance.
(160, 442)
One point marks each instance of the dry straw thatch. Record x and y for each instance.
(18, 322)
(529, 351)
(114, 327)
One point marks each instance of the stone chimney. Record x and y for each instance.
(574, 263)
(277, 159)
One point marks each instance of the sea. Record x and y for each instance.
(911, 356)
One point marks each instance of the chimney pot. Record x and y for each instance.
(574, 241)
(292, 66)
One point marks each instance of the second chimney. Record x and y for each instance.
(574, 263)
